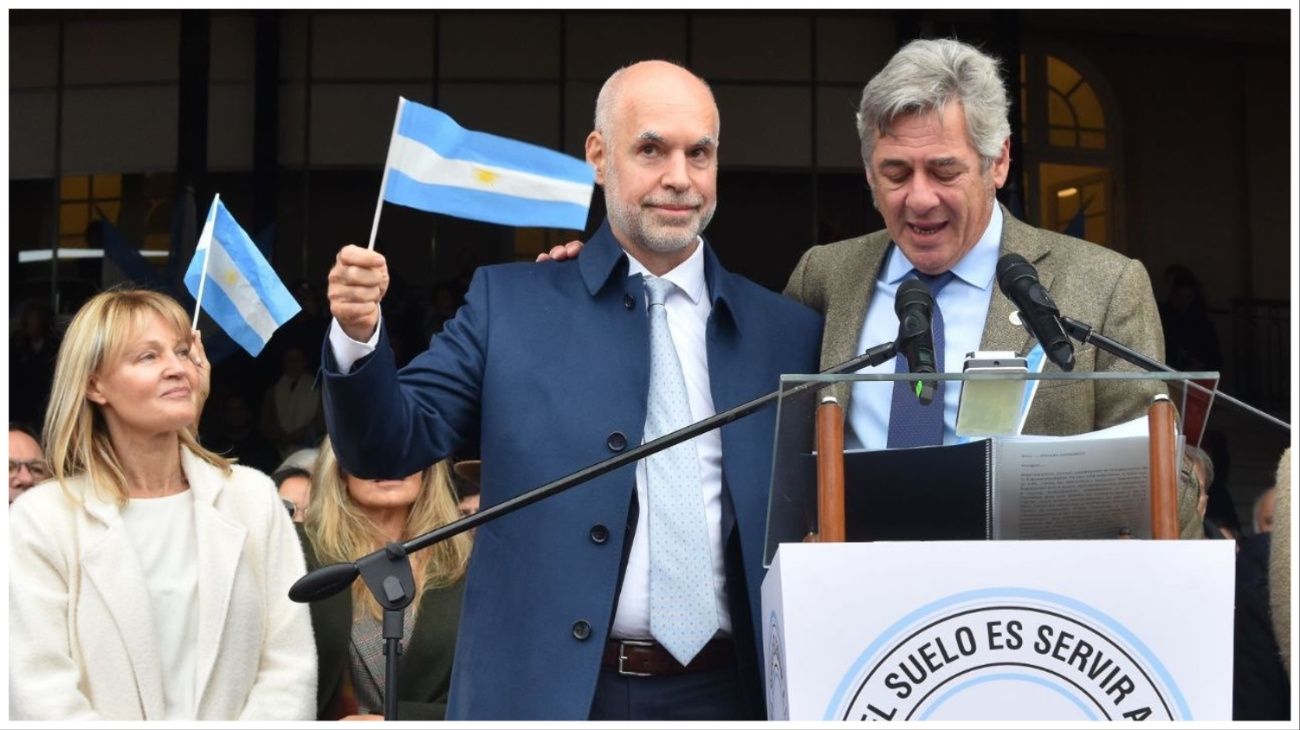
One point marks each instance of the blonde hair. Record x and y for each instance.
(76, 435)
(340, 531)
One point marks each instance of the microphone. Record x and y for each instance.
(914, 306)
(323, 582)
(1018, 280)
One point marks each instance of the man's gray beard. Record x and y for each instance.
(667, 243)
(631, 224)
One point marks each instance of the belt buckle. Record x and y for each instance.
(622, 656)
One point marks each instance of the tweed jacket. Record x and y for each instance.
(81, 644)
(1279, 561)
(1089, 283)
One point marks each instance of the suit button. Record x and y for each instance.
(628, 301)
(616, 441)
(599, 534)
(581, 630)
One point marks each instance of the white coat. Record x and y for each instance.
(81, 646)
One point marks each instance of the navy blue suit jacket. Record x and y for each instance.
(548, 365)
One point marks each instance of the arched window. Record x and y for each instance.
(1071, 146)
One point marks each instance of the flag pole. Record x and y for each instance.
(206, 235)
(383, 182)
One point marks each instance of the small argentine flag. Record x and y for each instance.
(434, 164)
(247, 298)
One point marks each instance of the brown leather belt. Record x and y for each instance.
(637, 658)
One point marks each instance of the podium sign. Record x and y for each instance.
(1043, 630)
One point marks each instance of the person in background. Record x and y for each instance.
(291, 413)
(148, 580)
(27, 465)
(1260, 684)
(1219, 509)
(466, 479)
(303, 331)
(1265, 510)
(32, 349)
(348, 518)
(293, 481)
(1197, 474)
(238, 437)
(1191, 341)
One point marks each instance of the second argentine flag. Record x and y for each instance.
(434, 164)
(246, 297)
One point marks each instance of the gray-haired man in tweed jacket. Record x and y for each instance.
(936, 144)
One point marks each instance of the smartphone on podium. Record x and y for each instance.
(991, 407)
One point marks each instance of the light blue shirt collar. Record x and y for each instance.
(977, 268)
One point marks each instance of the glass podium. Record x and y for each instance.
(991, 479)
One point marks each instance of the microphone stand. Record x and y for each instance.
(387, 572)
(1085, 334)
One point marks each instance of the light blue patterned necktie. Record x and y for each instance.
(683, 609)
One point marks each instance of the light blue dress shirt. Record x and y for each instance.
(965, 305)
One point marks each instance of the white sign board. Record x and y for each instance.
(1043, 630)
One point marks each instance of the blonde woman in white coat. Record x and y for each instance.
(148, 579)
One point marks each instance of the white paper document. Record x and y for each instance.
(1092, 485)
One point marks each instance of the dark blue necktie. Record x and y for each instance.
(910, 423)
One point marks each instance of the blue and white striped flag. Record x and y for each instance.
(246, 297)
(434, 164)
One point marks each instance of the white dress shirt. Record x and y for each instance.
(965, 305)
(347, 350)
(688, 307)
